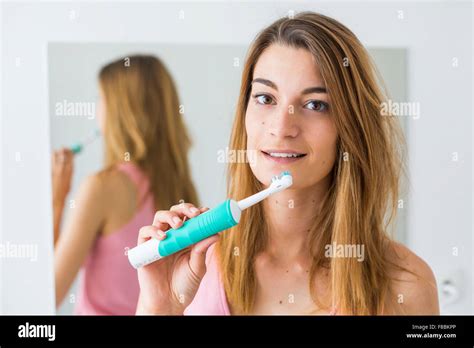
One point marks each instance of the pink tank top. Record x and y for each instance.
(109, 284)
(210, 298)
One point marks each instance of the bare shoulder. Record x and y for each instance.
(119, 198)
(90, 195)
(92, 187)
(413, 282)
(117, 187)
(105, 191)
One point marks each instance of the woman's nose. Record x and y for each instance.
(285, 122)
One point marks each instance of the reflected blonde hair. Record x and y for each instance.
(143, 124)
(362, 199)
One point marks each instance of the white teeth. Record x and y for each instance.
(280, 154)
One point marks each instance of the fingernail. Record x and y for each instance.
(194, 210)
(176, 220)
(161, 233)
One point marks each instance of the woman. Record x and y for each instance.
(146, 169)
(309, 91)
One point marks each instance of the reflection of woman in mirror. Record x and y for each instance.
(309, 89)
(146, 169)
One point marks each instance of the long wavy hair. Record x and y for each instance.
(361, 203)
(143, 124)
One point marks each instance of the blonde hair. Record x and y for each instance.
(143, 125)
(362, 199)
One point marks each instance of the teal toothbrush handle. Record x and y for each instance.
(198, 228)
(211, 222)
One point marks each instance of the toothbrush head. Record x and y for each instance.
(76, 148)
(281, 182)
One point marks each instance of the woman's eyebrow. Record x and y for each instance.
(314, 90)
(274, 86)
(265, 82)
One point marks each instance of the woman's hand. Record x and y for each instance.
(168, 285)
(62, 168)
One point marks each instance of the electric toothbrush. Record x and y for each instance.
(220, 218)
(89, 139)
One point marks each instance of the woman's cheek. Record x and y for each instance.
(329, 158)
(324, 148)
(253, 130)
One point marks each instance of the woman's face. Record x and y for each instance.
(288, 114)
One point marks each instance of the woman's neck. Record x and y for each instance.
(290, 215)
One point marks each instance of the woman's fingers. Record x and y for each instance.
(159, 222)
(56, 159)
(62, 159)
(148, 232)
(64, 156)
(68, 158)
(185, 209)
(174, 217)
(166, 218)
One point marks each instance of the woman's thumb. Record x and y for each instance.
(197, 258)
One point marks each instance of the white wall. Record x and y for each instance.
(440, 204)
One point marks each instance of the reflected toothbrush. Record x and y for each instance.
(89, 139)
(220, 218)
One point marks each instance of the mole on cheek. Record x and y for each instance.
(263, 122)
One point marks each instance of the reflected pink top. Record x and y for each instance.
(109, 284)
(210, 298)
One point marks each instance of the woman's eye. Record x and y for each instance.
(317, 105)
(263, 99)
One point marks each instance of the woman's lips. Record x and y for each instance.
(282, 160)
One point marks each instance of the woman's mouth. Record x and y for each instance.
(283, 156)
